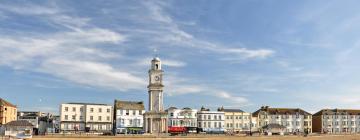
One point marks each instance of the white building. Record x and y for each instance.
(337, 121)
(129, 116)
(185, 117)
(211, 121)
(236, 120)
(294, 120)
(85, 117)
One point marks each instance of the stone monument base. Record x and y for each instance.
(155, 122)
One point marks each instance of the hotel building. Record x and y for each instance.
(128, 117)
(337, 121)
(294, 120)
(211, 121)
(237, 120)
(88, 117)
(8, 112)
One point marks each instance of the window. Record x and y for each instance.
(204, 117)
(108, 110)
(66, 117)
(204, 124)
(215, 117)
(220, 117)
(81, 117)
(99, 118)
(140, 112)
(66, 109)
(73, 117)
(108, 118)
(81, 109)
(73, 109)
(297, 123)
(127, 112)
(215, 124)
(209, 124)
(100, 110)
(130, 122)
(220, 124)
(91, 118)
(227, 117)
(91, 110)
(209, 117)
(171, 114)
(134, 112)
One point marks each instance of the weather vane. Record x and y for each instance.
(156, 52)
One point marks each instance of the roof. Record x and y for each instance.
(337, 111)
(232, 110)
(171, 108)
(280, 111)
(273, 125)
(156, 59)
(132, 105)
(6, 103)
(19, 123)
(86, 103)
(204, 109)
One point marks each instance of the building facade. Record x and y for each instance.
(18, 129)
(337, 121)
(156, 118)
(294, 120)
(237, 120)
(211, 121)
(128, 117)
(185, 117)
(31, 117)
(86, 117)
(8, 112)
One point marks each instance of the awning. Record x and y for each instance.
(135, 128)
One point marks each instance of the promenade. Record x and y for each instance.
(317, 137)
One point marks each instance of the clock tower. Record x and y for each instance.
(155, 87)
(156, 117)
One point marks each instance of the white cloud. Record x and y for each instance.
(30, 9)
(180, 86)
(173, 63)
(92, 74)
(171, 33)
(71, 54)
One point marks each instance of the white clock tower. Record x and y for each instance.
(156, 117)
(155, 87)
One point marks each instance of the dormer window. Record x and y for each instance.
(156, 66)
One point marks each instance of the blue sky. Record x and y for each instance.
(236, 54)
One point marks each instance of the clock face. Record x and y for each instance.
(157, 78)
